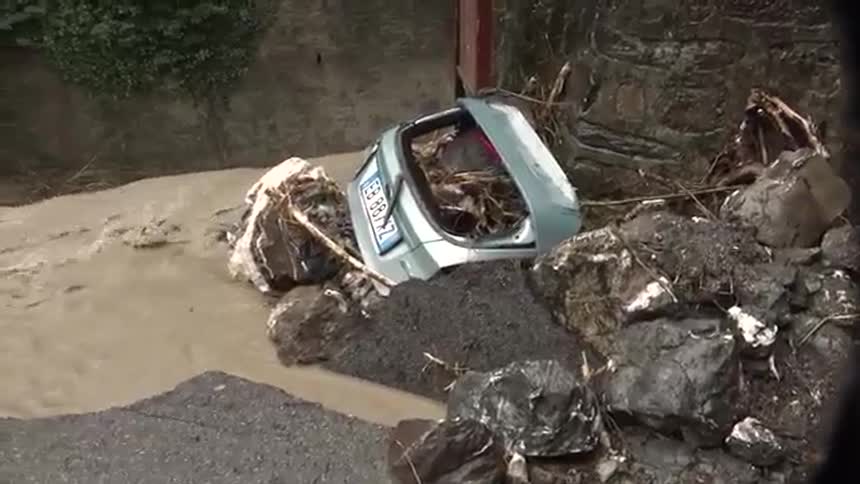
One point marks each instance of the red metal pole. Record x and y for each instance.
(476, 45)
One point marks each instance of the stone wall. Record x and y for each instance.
(329, 75)
(665, 81)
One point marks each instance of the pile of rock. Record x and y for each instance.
(719, 340)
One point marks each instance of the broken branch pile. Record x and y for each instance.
(474, 197)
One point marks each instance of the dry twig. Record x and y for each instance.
(409, 462)
(558, 86)
(665, 196)
(822, 322)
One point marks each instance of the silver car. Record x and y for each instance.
(394, 214)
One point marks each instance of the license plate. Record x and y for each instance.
(385, 233)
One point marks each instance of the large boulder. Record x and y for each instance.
(447, 452)
(841, 248)
(585, 280)
(308, 324)
(540, 408)
(658, 264)
(676, 376)
(753, 442)
(272, 250)
(793, 203)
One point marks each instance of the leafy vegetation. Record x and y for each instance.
(125, 47)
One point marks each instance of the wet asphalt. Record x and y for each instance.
(214, 428)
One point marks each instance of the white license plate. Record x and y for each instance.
(385, 233)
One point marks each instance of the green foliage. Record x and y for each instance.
(21, 22)
(126, 47)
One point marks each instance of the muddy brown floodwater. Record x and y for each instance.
(110, 297)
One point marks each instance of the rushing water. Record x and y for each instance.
(88, 321)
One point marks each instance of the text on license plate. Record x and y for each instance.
(385, 233)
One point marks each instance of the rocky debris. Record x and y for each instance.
(782, 321)
(828, 340)
(446, 452)
(689, 317)
(757, 337)
(657, 459)
(841, 248)
(308, 324)
(752, 442)
(656, 264)
(793, 203)
(833, 295)
(584, 280)
(539, 408)
(274, 252)
(676, 376)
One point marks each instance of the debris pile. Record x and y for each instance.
(273, 249)
(474, 194)
(297, 231)
(717, 337)
(711, 341)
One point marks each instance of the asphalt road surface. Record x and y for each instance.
(214, 428)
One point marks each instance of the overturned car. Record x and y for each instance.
(487, 188)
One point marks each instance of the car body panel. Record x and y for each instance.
(422, 247)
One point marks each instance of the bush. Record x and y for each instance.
(126, 47)
(21, 22)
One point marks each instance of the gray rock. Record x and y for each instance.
(656, 459)
(654, 265)
(828, 340)
(676, 376)
(752, 442)
(841, 248)
(763, 290)
(447, 452)
(837, 296)
(274, 252)
(540, 408)
(308, 323)
(793, 203)
(583, 281)
(755, 335)
(797, 256)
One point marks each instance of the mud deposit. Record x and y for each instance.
(477, 317)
